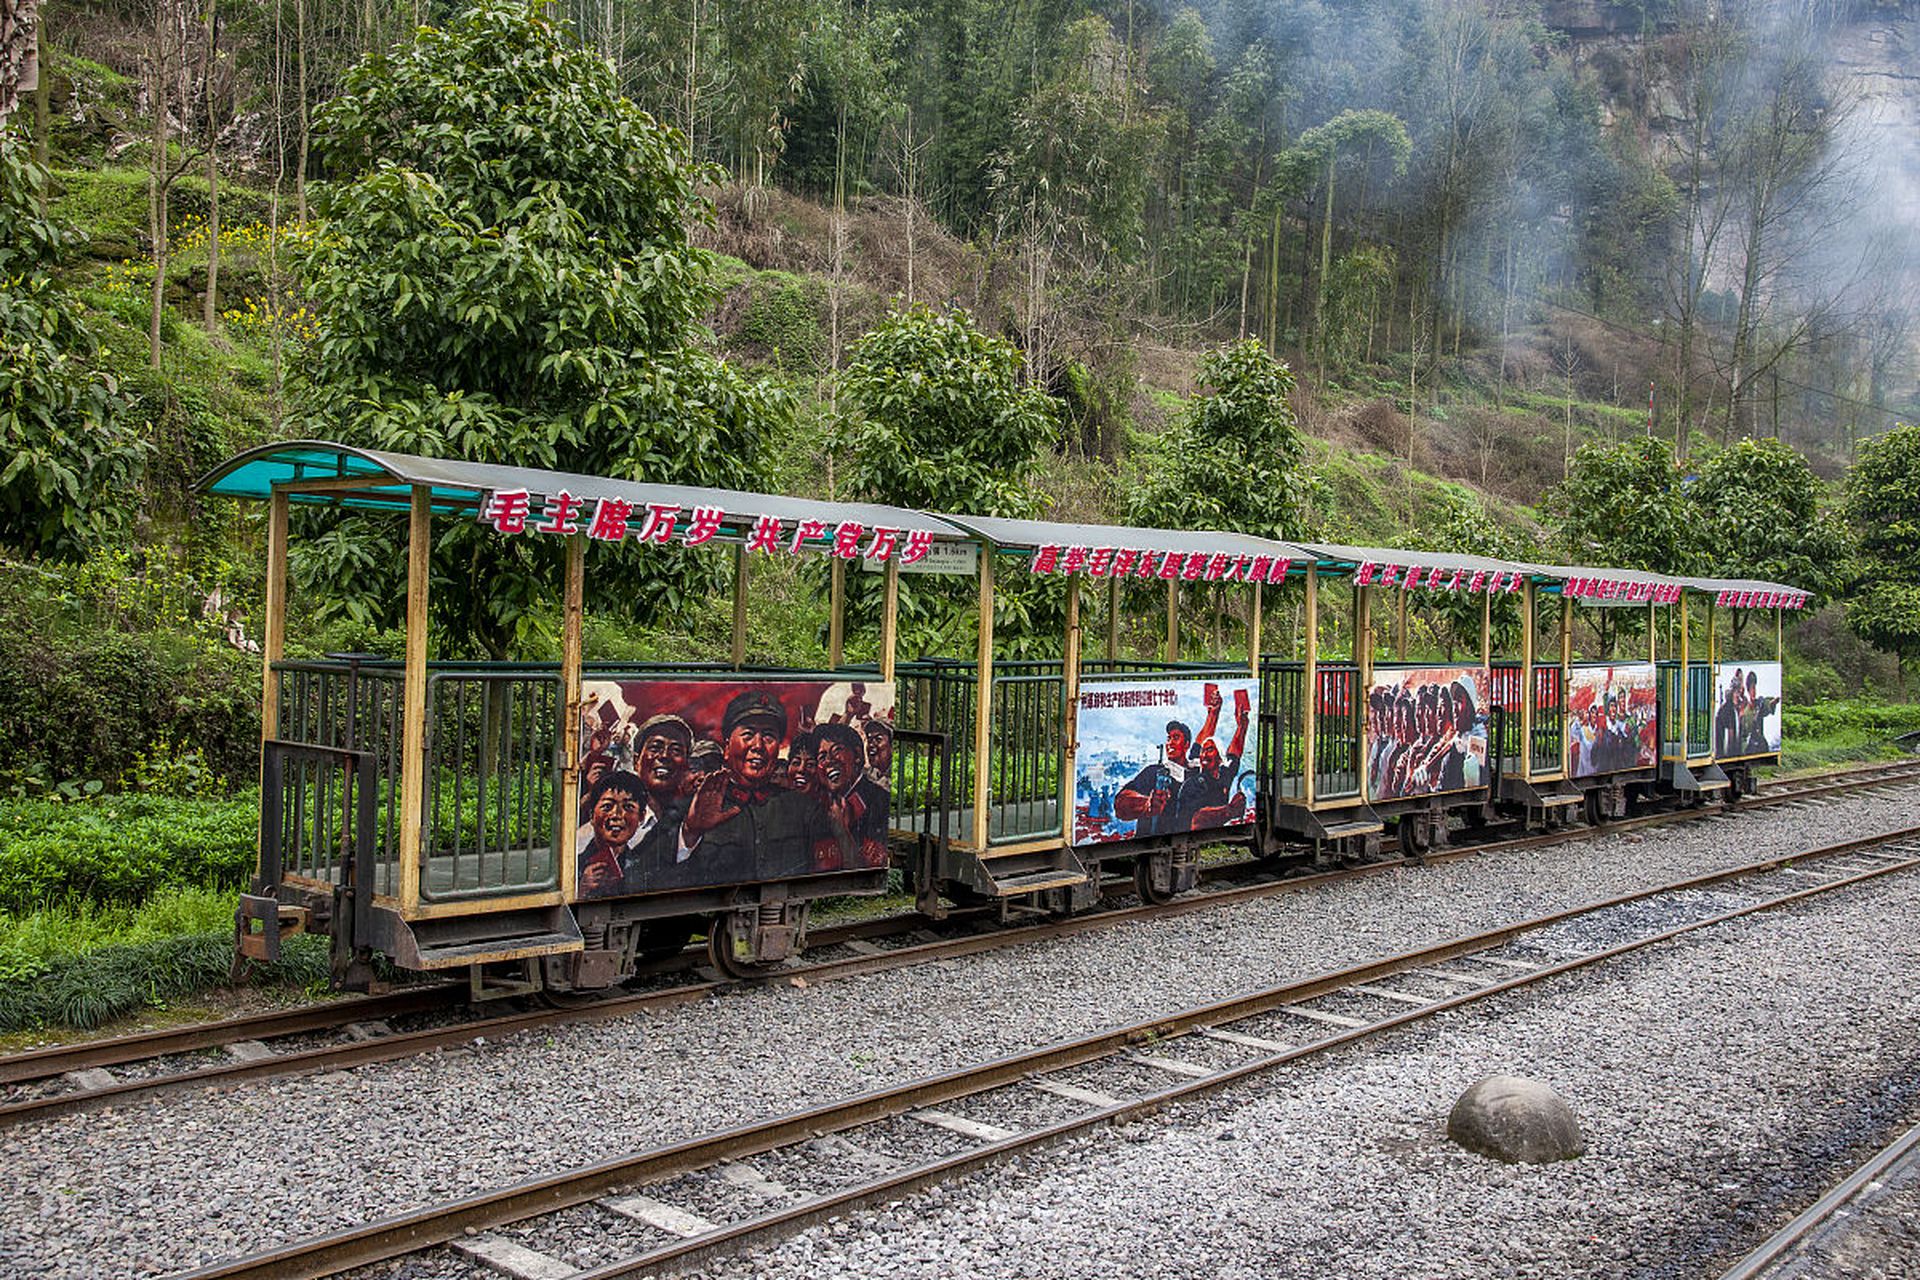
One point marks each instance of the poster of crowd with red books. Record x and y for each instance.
(1612, 719)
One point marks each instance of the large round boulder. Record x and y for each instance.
(1517, 1120)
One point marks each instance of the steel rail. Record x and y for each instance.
(1776, 1248)
(400, 1234)
(40, 1064)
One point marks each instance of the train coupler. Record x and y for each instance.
(259, 922)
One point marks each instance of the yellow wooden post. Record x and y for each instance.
(1566, 672)
(740, 606)
(1113, 618)
(836, 620)
(1486, 629)
(890, 619)
(1685, 609)
(1363, 636)
(1253, 635)
(1311, 680)
(1652, 631)
(572, 615)
(1713, 638)
(413, 763)
(273, 634)
(1173, 620)
(1779, 634)
(1526, 681)
(983, 699)
(1400, 625)
(1070, 673)
(273, 637)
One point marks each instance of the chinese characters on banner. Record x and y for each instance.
(1618, 591)
(1187, 566)
(1761, 599)
(667, 524)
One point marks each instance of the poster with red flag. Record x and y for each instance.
(1612, 719)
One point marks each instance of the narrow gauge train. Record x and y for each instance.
(545, 826)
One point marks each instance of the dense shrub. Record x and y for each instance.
(108, 670)
(121, 848)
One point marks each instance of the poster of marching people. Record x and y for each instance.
(1159, 757)
(685, 783)
(1426, 731)
(1612, 719)
(1746, 710)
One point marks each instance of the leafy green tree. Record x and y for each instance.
(941, 420)
(503, 273)
(70, 457)
(1883, 506)
(1623, 506)
(938, 418)
(1759, 509)
(1465, 527)
(1232, 458)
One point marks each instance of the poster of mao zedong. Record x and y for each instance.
(691, 783)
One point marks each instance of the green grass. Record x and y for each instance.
(35, 942)
(1845, 729)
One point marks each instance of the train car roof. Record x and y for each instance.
(373, 479)
(1032, 535)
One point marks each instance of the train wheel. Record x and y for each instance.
(730, 948)
(1596, 812)
(1153, 876)
(1415, 836)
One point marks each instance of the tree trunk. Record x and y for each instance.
(210, 304)
(1326, 266)
(157, 182)
(300, 90)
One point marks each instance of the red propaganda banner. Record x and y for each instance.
(687, 784)
(1438, 578)
(610, 519)
(1185, 566)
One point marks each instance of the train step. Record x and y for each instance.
(1036, 881)
(458, 941)
(1013, 875)
(1344, 830)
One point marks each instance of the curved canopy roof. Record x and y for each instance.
(323, 473)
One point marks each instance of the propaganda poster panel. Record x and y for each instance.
(1612, 719)
(1746, 710)
(692, 783)
(1426, 731)
(1159, 757)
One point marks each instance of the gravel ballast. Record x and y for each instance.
(193, 1178)
(1724, 1080)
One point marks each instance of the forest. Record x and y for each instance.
(1622, 283)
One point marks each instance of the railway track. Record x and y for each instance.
(674, 1205)
(344, 1033)
(1776, 1256)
